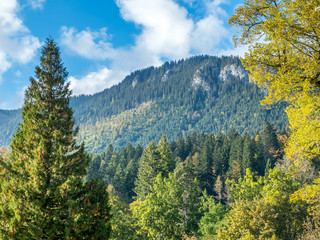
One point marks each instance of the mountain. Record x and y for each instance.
(201, 94)
(9, 120)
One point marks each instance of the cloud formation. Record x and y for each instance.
(168, 31)
(86, 43)
(18, 45)
(36, 3)
(95, 81)
(166, 27)
(16, 102)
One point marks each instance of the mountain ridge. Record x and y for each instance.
(201, 93)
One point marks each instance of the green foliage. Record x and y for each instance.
(213, 218)
(154, 160)
(124, 226)
(42, 193)
(246, 189)
(118, 169)
(309, 196)
(263, 210)
(170, 211)
(200, 156)
(248, 157)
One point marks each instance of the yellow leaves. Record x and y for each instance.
(285, 62)
(305, 126)
(310, 194)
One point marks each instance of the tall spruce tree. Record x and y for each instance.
(154, 160)
(43, 195)
(248, 154)
(147, 172)
(269, 140)
(205, 171)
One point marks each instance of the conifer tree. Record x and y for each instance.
(269, 140)
(154, 160)
(205, 171)
(166, 163)
(43, 193)
(236, 152)
(146, 172)
(248, 154)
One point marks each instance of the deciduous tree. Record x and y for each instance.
(284, 60)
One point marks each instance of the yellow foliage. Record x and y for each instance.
(310, 194)
(284, 60)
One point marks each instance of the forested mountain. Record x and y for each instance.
(199, 94)
(9, 120)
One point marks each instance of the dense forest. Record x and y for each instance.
(199, 94)
(248, 179)
(209, 156)
(199, 186)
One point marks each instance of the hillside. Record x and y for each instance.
(202, 94)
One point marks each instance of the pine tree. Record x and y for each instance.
(46, 196)
(270, 143)
(236, 152)
(221, 154)
(204, 171)
(166, 163)
(248, 154)
(268, 168)
(154, 160)
(147, 172)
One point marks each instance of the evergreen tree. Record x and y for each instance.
(205, 171)
(94, 167)
(154, 160)
(221, 154)
(268, 168)
(147, 172)
(185, 177)
(166, 163)
(248, 154)
(236, 153)
(43, 194)
(218, 188)
(270, 143)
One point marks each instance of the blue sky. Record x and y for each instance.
(102, 41)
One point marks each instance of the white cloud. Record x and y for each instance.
(167, 32)
(4, 64)
(166, 27)
(208, 35)
(17, 100)
(17, 43)
(88, 44)
(239, 51)
(210, 32)
(36, 3)
(95, 81)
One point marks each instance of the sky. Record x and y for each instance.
(102, 41)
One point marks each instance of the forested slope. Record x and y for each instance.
(202, 94)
